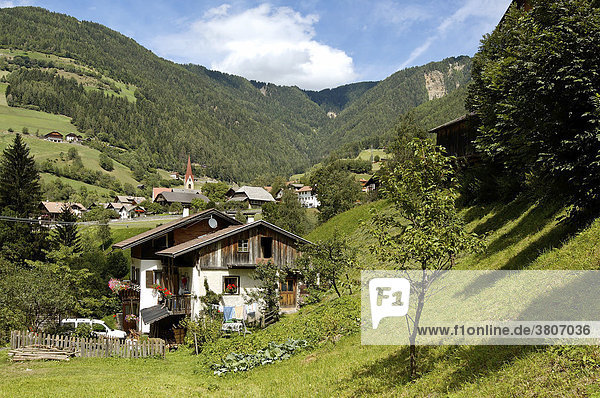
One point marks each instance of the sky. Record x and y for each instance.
(312, 44)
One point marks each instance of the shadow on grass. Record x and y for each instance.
(531, 223)
(553, 238)
(457, 365)
(477, 212)
(504, 213)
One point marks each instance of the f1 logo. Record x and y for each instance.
(389, 297)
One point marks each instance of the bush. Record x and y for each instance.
(201, 331)
(106, 163)
(83, 330)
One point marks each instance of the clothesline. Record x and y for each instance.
(236, 312)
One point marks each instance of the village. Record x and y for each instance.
(287, 222)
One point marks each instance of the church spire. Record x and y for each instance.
(189, 177)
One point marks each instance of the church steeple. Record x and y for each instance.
(189, 177)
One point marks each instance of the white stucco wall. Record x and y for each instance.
(215, 283)
(148, 296)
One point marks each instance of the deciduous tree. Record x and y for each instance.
(424, 232)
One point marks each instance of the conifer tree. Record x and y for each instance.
(19, 180)
(67, 234)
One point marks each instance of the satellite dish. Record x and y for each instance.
(212, 223)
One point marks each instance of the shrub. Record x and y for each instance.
(83, 330)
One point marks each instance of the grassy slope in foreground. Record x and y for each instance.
(520, 230)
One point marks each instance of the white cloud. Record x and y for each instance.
(393, 12)
(10, 3)
(264, 43)
(476, 16)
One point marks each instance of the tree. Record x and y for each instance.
(129, 189)
(425, 231)
(215, 191)
(73, 154)
(268, 274)
(287, 214)
(103, 233)
(328, 261)
(337, 190)
(106, 162)
(536, 88)
(19, 180)
(41, 293)
(66, 233)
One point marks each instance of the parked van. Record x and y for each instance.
(99, 328)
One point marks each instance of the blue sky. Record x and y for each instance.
(313, 44)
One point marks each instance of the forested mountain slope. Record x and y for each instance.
(378, 110)
(160, 111)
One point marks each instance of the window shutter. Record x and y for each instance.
(149, 279)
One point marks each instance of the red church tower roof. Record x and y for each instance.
(188, 172)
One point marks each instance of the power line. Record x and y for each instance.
(56, 222)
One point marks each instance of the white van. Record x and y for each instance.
(99, 328)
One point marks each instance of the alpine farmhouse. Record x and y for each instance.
(206, 247)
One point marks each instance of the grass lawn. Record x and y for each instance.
(3, 87)
(17, 118)
(45, 177)
(43, 149)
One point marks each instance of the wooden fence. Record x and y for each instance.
(100, 347)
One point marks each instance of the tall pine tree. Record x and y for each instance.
(19, 180)
(20, 196)
(67, 234)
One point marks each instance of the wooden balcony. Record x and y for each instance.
(180, 305)
(130, 294)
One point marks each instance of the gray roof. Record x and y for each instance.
(170, 226)
(181, 197)
(154, 313)
(130, 199)
(255, 193)
(212, 237)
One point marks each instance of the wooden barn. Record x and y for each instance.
(457, 138)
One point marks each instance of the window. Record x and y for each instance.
(96, 327)
(266, 244)
(135, 275)
(231, 285)
(243, 246)
(153, 278)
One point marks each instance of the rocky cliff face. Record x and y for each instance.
(435, 84)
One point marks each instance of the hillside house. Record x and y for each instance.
(132, 200)
(371, 185)
(72, 137)
(51, 210)
(208, 246)
(156, 191)
(184, 197)
(251, 197)
(308, 198)
(54, 136)
(127, 210)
